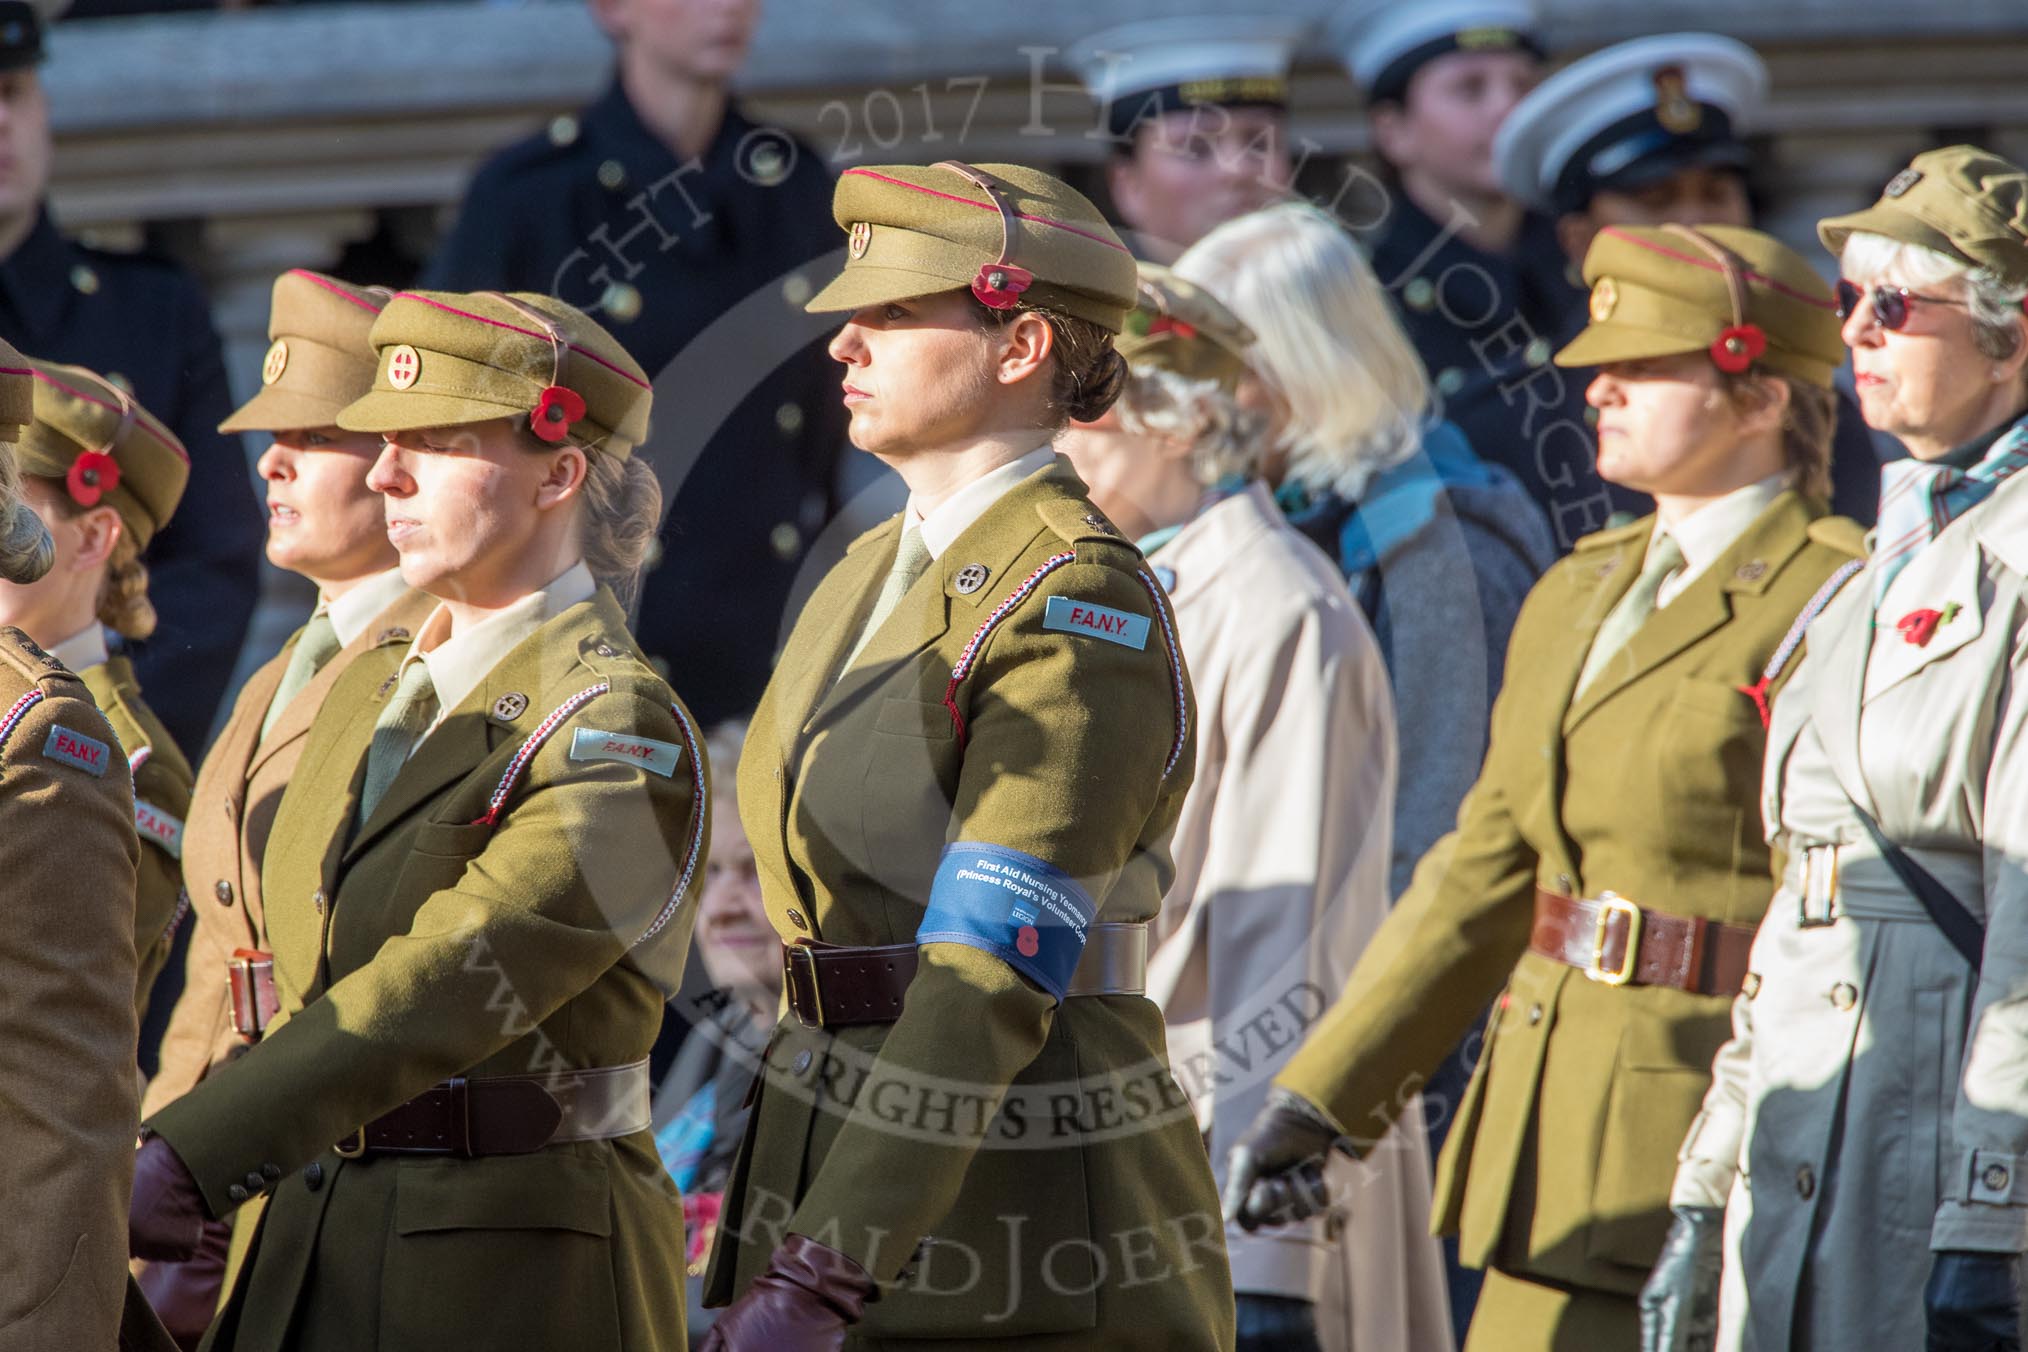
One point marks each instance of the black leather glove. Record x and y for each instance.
(1275, 1175)
(1275, 1324)
(1974, 1302)
(165, 1219)
(1679, 1305)
(804, 1302)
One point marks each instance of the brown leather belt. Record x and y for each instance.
(1613, 941)
(510, 1114)
(830, 986)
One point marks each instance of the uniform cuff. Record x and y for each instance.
(1706, 1166)
(1980, 1227)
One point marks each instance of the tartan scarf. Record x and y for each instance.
(1918, 498)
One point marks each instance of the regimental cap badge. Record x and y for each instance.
(1604, 296)
(1674, 108)
(1901, 182)
(277, 361)
(404, 366)
(861, 236)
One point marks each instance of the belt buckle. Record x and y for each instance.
(1609, 904)
(1815, 908)
(815, 1019)
(353, 1146)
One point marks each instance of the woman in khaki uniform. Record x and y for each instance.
(958, 788)
(481, 907)
(67, 1021)
(1608, 866)
(325, 524)
(104, 475)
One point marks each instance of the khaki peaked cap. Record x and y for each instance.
(79, 413)
(17, 393)
(1655, 293)
(446, 358)
(1179, 326)
(1961, 201)
(320, 358)
(915, 230)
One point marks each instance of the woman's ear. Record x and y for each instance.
(1764, 407)
(99, 532)
(2008, 370)
(1026, 342)
(563, 476)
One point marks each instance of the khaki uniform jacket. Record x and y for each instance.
(1646, 786)
(951, 1151)
(1840, 1123)
(1282, 856)
(67, 1022)
(162, 781)
(239, 789)
(510, 908)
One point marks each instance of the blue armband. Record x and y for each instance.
(1025, 911)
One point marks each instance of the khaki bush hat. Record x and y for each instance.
(320, 358)
(1963, 202)
(447, 358)
(1746, 298)
(90, 436)
(1014, 236)
(17, 393)
(1179, 326)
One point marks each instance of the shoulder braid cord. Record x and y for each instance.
(496, 806)
(1758, 691)
(968, 658)
(17, 712)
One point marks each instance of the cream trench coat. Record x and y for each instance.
(1281, 878)
(1848, 1130)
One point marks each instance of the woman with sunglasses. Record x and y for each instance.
(959, 788)
(1872, 1093)
(479, 893)
(104, 475)
(1608, 866)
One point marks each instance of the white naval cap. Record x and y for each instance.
(1140, 70)
(1383, 43)
(1629, 115)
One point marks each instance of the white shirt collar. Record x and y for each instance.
(1711, 530)
(83, 650)
(352, 612)
(459, 663)
(941, 528)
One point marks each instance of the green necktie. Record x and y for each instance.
(318, 645)
(1665, 556)
(408, 715)
(911, 561)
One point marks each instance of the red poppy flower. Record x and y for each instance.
(1919, 626)
(701, 1211)
(91, 476)
(558, 407)
(1169, 324)
(1734, 350)
(999, 285)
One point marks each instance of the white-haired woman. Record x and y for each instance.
(1282, 847)
(1873, 1090)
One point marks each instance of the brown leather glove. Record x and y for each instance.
(165, 1221)
(185, 1295)
(804, 1302)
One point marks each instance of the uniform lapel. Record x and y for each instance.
(836, 612)
(392, 626)
(1596, 584)
(1842, 684)
(1945, 580)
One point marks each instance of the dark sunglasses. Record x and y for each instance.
(1891, 304)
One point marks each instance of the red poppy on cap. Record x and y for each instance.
(1170, 324)
(999, 285)
(558, 407)
(1737, 348)
(1028, 941)
(91, 476)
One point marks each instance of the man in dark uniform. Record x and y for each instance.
(1478, 281)
(1647, 132)
(143, 322)
(688, 231)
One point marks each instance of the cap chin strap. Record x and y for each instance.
(559, 407)
(1735, 350)
(999, 284)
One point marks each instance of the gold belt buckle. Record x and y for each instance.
(1609, 904)
(809, 955)
(353, 1146)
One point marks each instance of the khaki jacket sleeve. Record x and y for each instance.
(67, 1032)
(158, 893)
(1071, 746)
(200, 1027)
(579, 869)
(1443, 951)
(1985, 1193)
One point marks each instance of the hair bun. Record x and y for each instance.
(1101, 388)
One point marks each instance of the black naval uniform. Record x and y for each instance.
(748, 430)
(143, 323)
(1486, 326)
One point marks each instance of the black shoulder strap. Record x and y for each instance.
(1966, 934)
